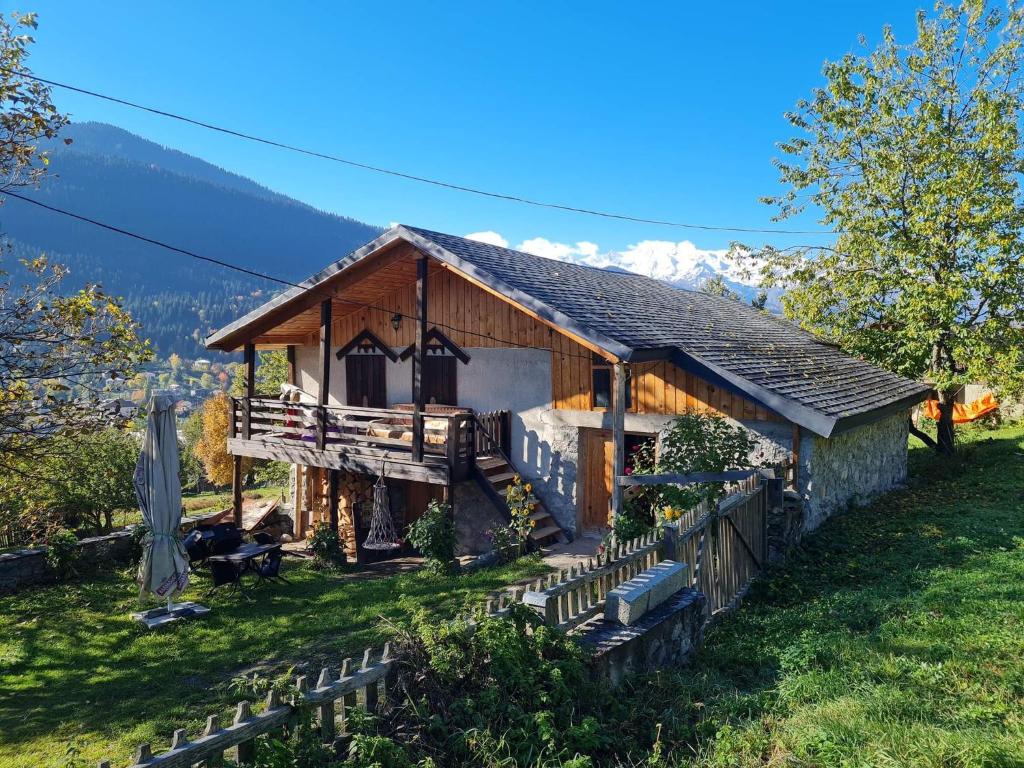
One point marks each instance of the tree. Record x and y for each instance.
(91, 478)
(716, 287)
(271, 373)
(28, 113)
(57, 347)
(212, 446)
(913, 153)
(191, 464)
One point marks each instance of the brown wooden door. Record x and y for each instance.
(365, 381)
(439, 376)
(595, 491)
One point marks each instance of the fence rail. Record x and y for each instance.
(724, 544)
(14, 537)
(333, 697)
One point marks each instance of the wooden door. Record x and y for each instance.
(439, 380)
(365, 381)
(595, 483)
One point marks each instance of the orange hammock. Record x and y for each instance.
(963, 413)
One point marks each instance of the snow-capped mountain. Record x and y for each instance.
(681, 263)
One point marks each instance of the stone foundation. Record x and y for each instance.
(25, 567)
(664, 637)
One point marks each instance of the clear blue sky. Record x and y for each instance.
(664, 110)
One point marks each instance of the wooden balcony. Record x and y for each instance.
(366, 440)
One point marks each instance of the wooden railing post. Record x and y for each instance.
(233, 426)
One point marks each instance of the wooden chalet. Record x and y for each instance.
(447, 366)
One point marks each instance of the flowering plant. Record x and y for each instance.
(511, 539)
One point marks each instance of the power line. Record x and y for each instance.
(262, 275)
(408, 176)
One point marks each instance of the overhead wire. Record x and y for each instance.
(403, 174)
(261, 275)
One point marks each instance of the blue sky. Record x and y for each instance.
(663, 110)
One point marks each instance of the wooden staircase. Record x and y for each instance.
(493, 472)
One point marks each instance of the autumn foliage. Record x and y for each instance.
(212, 446)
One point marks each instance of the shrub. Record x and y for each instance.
(325, 544)
(62, 553)
(433, 534)
(700, 442)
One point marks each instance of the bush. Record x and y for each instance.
(433, 534)
(700, 442)
(62, 553)
(325, 544)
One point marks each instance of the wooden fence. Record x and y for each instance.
(335, 694)
(724, 545)
(11, 536)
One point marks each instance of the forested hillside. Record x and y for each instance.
(113, 176)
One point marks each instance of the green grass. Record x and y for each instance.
(894, 638)
(75, 668)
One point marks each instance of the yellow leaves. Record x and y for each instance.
(212, 446)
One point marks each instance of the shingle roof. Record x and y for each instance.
(765, 357)
(644, 313)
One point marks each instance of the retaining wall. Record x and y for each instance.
(25, 567)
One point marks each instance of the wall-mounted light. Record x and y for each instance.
(396, 321)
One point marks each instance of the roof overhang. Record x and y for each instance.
(817, 422)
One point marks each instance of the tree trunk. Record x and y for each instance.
(946, 437)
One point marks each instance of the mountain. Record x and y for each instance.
(113, 176)
(682, 263)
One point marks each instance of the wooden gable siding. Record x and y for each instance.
(467, 315)
(657, 387)
(473, 317)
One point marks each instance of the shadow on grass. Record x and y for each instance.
(72, 662)
(900, 582)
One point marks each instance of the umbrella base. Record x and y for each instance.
(158, 617)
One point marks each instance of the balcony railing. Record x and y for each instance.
(370, 434)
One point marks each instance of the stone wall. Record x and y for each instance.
(852, 467)
(25, 567)
(665, 637)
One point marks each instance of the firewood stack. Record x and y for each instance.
(353, 490)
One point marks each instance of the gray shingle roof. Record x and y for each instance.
(731, 338)
(633, 317)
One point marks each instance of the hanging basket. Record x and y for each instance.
(382, 535)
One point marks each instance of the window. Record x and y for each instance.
(601, 385)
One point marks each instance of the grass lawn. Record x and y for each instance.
(75, 668)
(895, 638)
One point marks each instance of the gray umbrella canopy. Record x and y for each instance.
(164, 567)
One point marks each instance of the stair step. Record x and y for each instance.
(490, 462)
(543, 533)
(501, 477)
(539, 514)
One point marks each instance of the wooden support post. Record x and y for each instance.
(618, 437)
(236, 489)
(298, 526)
(796, 457)
(249, 360)
(325, 374)
(332, 498)
(418, 358)
(290, 353)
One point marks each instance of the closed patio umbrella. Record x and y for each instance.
(163, 570)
